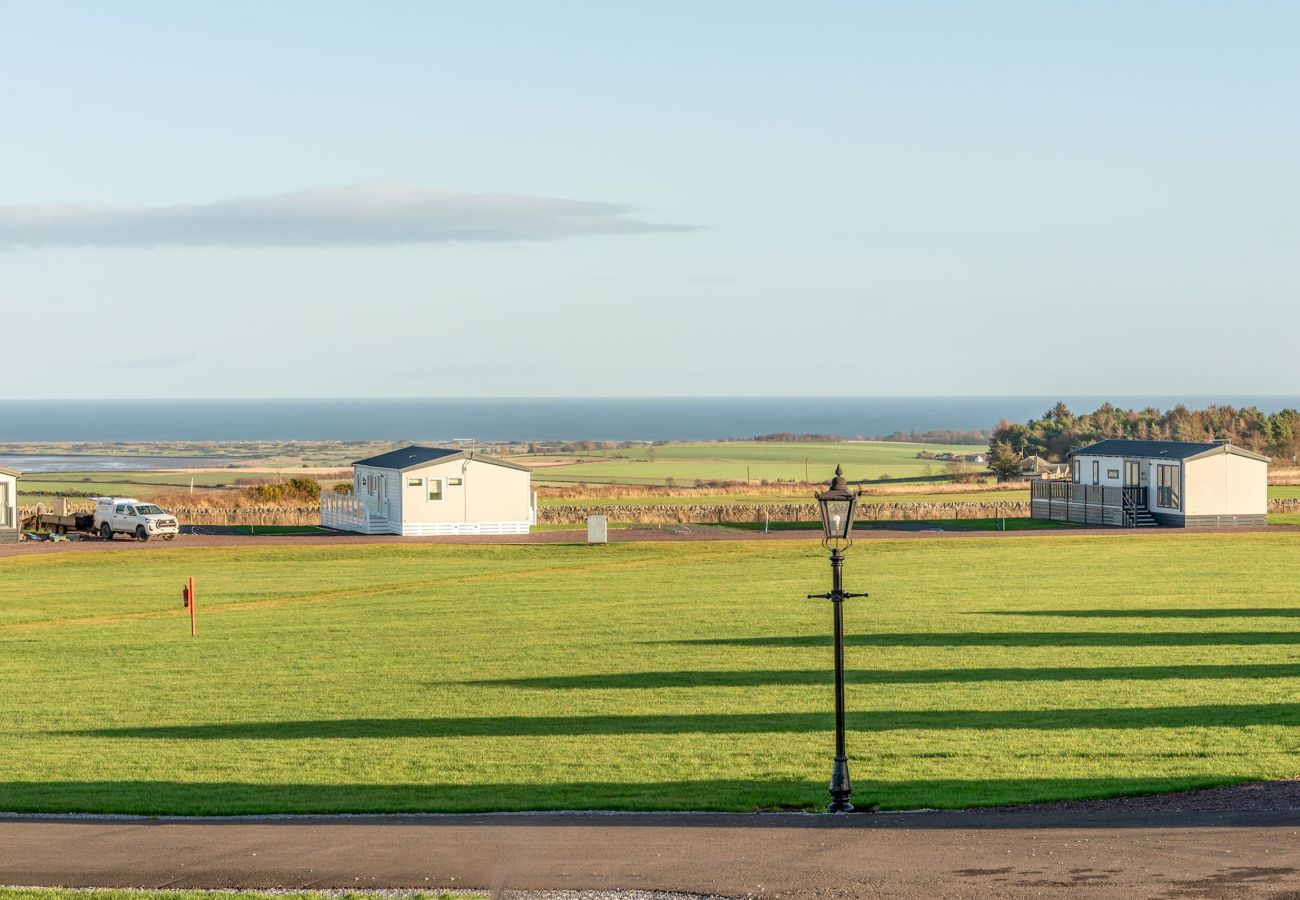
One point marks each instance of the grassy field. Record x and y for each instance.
(740, 460)
(45, 486)
(644, 676)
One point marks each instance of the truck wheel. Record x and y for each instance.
(140, 534)
(106, 531)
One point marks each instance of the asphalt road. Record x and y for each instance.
(1231, 843)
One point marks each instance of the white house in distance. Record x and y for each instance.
(1142, 483)
(433, 490)
(9, 507)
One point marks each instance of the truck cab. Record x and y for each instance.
(126, 515)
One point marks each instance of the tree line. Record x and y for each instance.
(1060, 430)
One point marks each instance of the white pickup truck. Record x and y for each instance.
(124, 515)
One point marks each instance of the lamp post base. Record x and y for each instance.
(841, 787)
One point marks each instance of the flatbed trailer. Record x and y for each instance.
(62, 521)
(66, 524)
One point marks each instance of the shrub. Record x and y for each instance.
(299, 489)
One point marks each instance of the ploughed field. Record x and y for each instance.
(644, 676)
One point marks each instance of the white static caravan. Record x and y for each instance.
(1177, 483)
(417, 491)
(9, 506)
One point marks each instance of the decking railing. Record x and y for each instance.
(1086, 504)
(344, 512)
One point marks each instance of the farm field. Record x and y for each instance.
(80, 485)
(739, 460)
(644, 676)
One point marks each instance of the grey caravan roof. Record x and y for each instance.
(1182, 450)
(406, 457)
(415, 456)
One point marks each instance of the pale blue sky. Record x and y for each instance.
(956, 188)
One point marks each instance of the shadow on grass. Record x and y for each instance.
(1013, 639)
(1232, 716)
(1253, 612)
(163, 798)
(801, 677)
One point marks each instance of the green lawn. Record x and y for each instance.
(739, 460)
(644, 676)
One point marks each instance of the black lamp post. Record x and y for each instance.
(837, 507)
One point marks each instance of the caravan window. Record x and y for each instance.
(414, 482)
(435, 488)
(1167, 487)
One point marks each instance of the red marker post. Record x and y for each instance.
(187, 593)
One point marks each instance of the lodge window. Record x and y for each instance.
(1167, 487)
(1096, 471)
(414, 482)
(435, 488)
(1076, 471)
(455, 482)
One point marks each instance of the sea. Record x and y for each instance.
(541, 418)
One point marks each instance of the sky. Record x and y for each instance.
(324, 199)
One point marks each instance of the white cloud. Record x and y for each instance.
(366, 216)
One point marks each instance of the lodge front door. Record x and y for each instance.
(1132, 473)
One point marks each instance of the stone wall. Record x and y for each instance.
(203, 515)
(649, 513)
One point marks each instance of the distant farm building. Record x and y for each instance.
(1035, 467)
(433, 490)
(1141, 483)
(9, 506)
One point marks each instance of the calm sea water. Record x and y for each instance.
(30, 463)
(538, 419)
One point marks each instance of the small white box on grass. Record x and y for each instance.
(597, 529)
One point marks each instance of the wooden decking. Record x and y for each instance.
(1087, 504)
